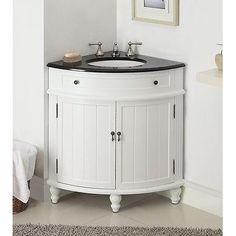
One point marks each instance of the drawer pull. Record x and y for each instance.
(156, 82)
(76, 82)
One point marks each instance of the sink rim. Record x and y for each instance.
(116, 59)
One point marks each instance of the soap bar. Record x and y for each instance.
(72, 57)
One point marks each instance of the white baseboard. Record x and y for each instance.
(201, 197)
(39, 190)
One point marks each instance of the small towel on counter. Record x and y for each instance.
(24, 158)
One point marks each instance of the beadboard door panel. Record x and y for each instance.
(145, 152)
(86, 150)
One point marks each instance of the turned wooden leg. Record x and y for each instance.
(115, 202)
(54, 194)
(175, 195)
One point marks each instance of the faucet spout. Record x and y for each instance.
(115, 52)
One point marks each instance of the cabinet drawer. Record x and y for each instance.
(121, 81)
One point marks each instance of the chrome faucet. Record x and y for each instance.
(99, 52)
(115, 52)
(130, 52)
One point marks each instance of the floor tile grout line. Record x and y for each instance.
(138, 221)
(134, 202)
(97, 218)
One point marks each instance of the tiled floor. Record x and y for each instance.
(137, 210)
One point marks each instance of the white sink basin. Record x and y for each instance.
(116, 63)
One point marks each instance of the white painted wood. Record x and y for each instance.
(116, 191)
(151, 137)
(178, 136)
(86, 151)
(175, 195)
(111, 95)
(170, 79)
(145, 153)
(53, 128)
(164, 81)
(115, 202)
(54, 194)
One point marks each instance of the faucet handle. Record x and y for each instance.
(130, 52)
(99, 51)
(98, 44)
(136, 43)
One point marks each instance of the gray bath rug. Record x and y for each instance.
(62, 230)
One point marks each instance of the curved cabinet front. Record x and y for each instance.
(86, 152)
(113, 145)
(145, 151)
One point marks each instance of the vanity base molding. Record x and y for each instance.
(115, 196)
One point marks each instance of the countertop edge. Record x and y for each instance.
(113, 70)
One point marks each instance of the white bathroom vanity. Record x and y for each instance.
(116, 131)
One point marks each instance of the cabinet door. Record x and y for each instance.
(86, 152)
(146, 149)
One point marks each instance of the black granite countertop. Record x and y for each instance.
(151, 64)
